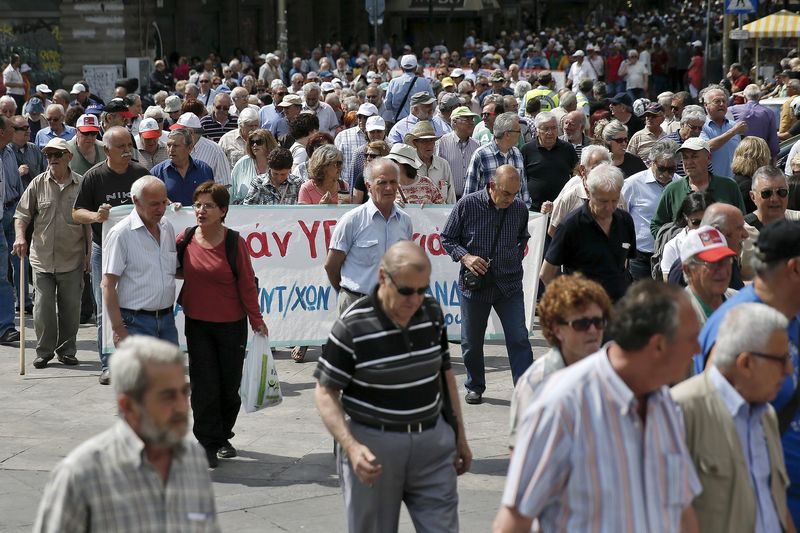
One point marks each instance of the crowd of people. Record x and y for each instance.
(672, 236)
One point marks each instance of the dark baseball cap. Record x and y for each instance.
(622, 98)
(779, 241)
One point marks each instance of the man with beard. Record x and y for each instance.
(143, 473)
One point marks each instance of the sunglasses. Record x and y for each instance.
(694, 128)
(204, 81)
(257, 142)
(767, 193)
(583, 324)
(407, 291)
(371, 156)
(621, 140)
(221, 108)
(664, 170)
(486, 114)
(54, 155)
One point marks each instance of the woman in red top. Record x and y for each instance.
(217, 305)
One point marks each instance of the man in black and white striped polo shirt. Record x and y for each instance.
(382, 395)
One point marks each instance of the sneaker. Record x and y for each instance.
(473, 398)
(211, 455)
(226, 451)
(41, 362)
(69, 360)
(105, 377)
(10, 336)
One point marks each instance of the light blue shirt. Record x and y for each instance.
(269, 117)
(721, 157)
(642, 193)
(364, 235)
(397, 90)
(45, 134)
(11, 181)
(747, 420)
(398, 132)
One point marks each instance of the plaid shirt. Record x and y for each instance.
(486, 160)
(348, 142)
(263, 192)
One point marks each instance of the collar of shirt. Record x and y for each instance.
(618, 390)
(137, 222)
(188, 169)
(372, 209)
(74, 177)
(649, 177)
(734, 403)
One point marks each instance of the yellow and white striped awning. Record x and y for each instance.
(781, 24)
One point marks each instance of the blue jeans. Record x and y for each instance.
(615, 87)
(6, 291)
(474, 316)
(162, 327)
(10, 237)
(97, 277)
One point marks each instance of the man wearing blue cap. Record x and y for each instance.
(33, 114)
(400, 90)
(622, 110)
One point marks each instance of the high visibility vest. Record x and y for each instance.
(549, 99)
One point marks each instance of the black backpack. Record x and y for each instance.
(231, 249)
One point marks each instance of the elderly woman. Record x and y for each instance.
(216, 334)
(597, 239)
(324, 185)
(260, 144)
(413, 188)
(371, 151)
(234, 142)
(279, 186)
(615, 135)
(573, 313)
(314, 141)
(751, 154)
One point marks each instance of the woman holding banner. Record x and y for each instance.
(219, 295)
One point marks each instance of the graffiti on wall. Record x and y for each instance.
(38, 44)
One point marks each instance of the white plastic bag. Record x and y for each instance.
(260, 385)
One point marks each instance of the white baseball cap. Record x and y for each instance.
(707, 243)
(367, 110)
(375, 123)
(408, 61)
(78, 88)
(43, 88)
(86, 123)
(327, 87)
(187, 120)
(149, 129)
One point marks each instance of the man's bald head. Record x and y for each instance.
(505, 173)
(728, 219)
(405, 255)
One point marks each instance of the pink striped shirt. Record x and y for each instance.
(583, 461)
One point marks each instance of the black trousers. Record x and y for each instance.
(216, 357)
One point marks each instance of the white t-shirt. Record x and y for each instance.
(10, 75)
(672, 250)
(635, 76)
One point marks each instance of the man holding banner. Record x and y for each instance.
(488, 232)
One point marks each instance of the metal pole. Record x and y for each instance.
(22, 315)
(708, 35)
(726, 53)
(283, 37)
(742, 42)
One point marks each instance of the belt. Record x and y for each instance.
(354, 293)
(417, 427)
(158, 313)
(644, 255)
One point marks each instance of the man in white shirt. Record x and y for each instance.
(328, 123)
(12, 79)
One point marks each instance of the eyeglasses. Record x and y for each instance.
(583, 324)
(407, 291)
(782, 359)
(54, 155)
(767, 193)
(620, 140)
(694, 128)
(198, 206)
(22, 128)
(664, 170)
(514, 131)
(257, 142)
(57, 119)
(221, 108)
(369, 155)
(717, 265)
(204, 81)
(88, 133)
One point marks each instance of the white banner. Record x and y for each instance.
(288, 245)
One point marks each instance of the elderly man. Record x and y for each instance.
(82, 96)
(598, 239)
(707, 264)
(770, 193)
(34, 115)
(693, 118)
(104, 186)
(57, 128)
(642, 140)
(271, 114)
(787, 118)
(220, 121)
(549, 161)
(290, 107)
(172, 107)
(366, 232)
(728, 417)
(777, 284)
(206, 94)
(696, 153)
(493, 106)
(574, 124)
(8, 106)
(86, 149)
(12, 188)
(350, 140)
(580, 70)
(420, 445)
(722, 134)
(761, 121)
(502, 150)
(487, 233)
(422, 105)
(152, 149)
(233, 142)
(401, 89)
(182, 172)
(641, 195)
(239, 98)
(573, 451)
(29, 157)
(458, 146)
(204, 149)
(423, 139)
(622, 109)
(328, 123)
(497, 87)
(448, 102)
(160, 78)
(139, 267)
(146, 472)
(59, 254)
(374, 96)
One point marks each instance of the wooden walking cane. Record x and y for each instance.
(22, 316)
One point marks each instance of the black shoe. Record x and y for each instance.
(105, 377)
(41, 362)
(11, 335)
(473, 398)
(69, 360)
(226, 451)
(211, 455)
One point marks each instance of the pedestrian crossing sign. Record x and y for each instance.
(740, 7)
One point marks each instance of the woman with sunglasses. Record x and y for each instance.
(615, 136)
(217, 303)
(325, 185)
(368, 153)
(751, 154)
(260, 143)
(573, 313)
(671, 235)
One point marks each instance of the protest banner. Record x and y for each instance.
(288, 246)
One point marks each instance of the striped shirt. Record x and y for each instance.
(459, 154)
(486, 160)
(387, 374)
(528, 384)
(214, 130)
(581, 446)
(212, 155)
(348, 142)
(106, 484)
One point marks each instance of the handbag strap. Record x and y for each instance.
(405, 98)
(497, 234)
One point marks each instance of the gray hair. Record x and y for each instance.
(351, 103)
(752, 92)
(191, 87)
(130, 361)
(54, 107)
(323, 156)
(592, 150)
(141, 184)
(665, 99)
(712, 88)
(504, 123)
(521, 88)
(248, 114)
(746, 327)
(110, 133)
(6, 99)
(543, 118)
(182, 133)
(154, 112)
(767, 172)
(134, 98)
(663, 149)
(614, 128)
(692, 112)
(248, 78)
(605, 178)
(569, 100)
(310, 87)
(277, 84)
(464, 86)
(369, 170)
(222, 96)
(297, 76)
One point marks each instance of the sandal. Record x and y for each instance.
(299, 353)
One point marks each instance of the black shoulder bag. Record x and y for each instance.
(476, 282)
(405, 98)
